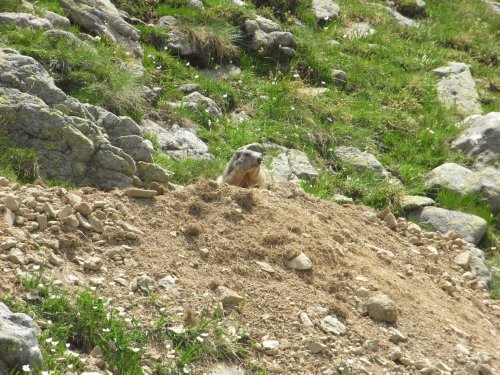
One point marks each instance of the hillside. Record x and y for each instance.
(359, 108)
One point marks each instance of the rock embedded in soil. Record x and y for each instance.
(330, 324)
(146, 283)
(410, 202)
(325, 10)
(16, 256)
(93, 263)
(316, 347)
(270, 347)
(140, 193)
(300, 262)
(228, 297)
(380, 307)
(11, 202)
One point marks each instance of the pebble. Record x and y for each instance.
(82, 221)
(371, 345)
(65, 212)
(93, 263)
(381, 307)
(49, 210)
(4, 181)
(55, 259)
(16, 256)
(9, 217)
(396, 336)
(391, 222)
(83, 208)
(266, 267)
(300, 262)
(316, 347)
(304, 318)
(228, 297)
(270, 347)
(7, 244)
(42, 221)
(330, 324)
(140, 193)
(96, 224)
(146, 283)
(71, 220)
(11, 202)
(73, 199)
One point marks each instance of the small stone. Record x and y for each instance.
(11, 202)
(93, 263)
(381, 307)
(266, 267)
(371, 345)
(422, 363)
(9, 217)
(300, 262)
(8, 244)
(316, 347)
(140, 193)
(42, 221)
(229, 297)
(463, 260)
(16, 256)
(395, 354)
(168, 282)
(4, 181)
(83, 208)
(304, 318)
(146, 283)
(73, 199)
(96, 224)
(82, 221)
(391, 222)
(72, 221)
(65, 212)
(330, 324)
(396, 336)
(369, 217)
(55, 259)
(49, 210)
(270, 347)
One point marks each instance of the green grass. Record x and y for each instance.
(79, 323)
(16, 163)
(495, 280)
(10, 5)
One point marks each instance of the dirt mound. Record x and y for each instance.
(205, 236)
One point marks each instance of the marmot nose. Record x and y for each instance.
(259, 160)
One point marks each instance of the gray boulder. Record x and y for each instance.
(199, 103)
(267, 40)
(57, 20)
(411, 202)
(457, 89)
(454, 177)
(198, 4)
(411, 8)
(399, 18)
(77, 143)
(18, 344)
(358, 30)
(490, 186)
(102, 18)
(339, 77)
(149, 172)
(325, 10)
(470, 227)
(291, 165)
(178, 142)
(24, 20)
(167, 21)
(481, 135)
(362, 161)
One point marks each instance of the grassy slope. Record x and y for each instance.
(389, 107)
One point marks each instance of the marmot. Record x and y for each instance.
(244, 170)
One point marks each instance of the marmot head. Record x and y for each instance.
(246, 159)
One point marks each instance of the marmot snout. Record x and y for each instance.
(244, 170)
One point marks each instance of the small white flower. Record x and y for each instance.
(224, 96)
(106, 330)
(55, 343)
(49, 340)
(45, 373)
(70, 366)
(187, 64)
(204, 334)
(196, 76)
(97, 38)
(67, 344)
(128, 320)
(135, 350)
(26, 368)
(127, 53)
(296, 75)
(200, 339)
(323, 82)
(49, 322)
(36, 267)
(93, 288)
(292, 108)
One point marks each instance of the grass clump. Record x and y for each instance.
(10, 5)
(75, 326)
(17, 163)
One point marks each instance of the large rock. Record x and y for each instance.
(457, 90)
(380, 307)
(411, 202)
(325, 10)
(470, 227)
(290, 165)
(481, 135)
(74, 142)
(494, 5)
(399, 18)
(362, 161)
(18, 345)
(102, 18)
(454, 177)
(463, 181)
(57, 20)
(411, 8)
(267, 40)
(24, 20)
(199, 103)
(178, 142)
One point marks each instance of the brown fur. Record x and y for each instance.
(244, 170)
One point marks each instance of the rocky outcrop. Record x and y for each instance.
(463, 181)
(411, 8)
(411, 202)
(481, 137)
(180, 143)
(291, 165)
(24, 20)
(267, 40)
(102, 18)
(81, 144)
(362, 161)
(399, 18)
(19, 350)
(57, 20)
(325, 10)
(457, 90)
(470, 227)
